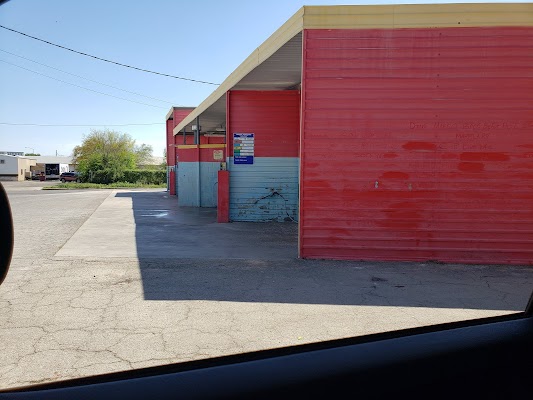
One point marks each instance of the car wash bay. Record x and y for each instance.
(261, 159)
(384, 140)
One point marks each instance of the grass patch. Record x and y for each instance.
(116, 185)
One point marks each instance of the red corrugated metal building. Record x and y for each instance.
(398, 132)
(174, 117)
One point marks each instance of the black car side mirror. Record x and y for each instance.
(6, 234)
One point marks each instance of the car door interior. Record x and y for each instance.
(492, 358)
(6, 234)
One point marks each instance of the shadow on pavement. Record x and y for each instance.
(184, 254)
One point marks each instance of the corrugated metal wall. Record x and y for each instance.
(176, 177)
(171, 153)
(264, 191)
(187, 176)
(198, 169)
(208, 183)
(267, 190)
(177, 116)
(417, 144)
(171, 150)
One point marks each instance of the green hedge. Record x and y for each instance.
(103, 176)
(148, 177)
(106, 176)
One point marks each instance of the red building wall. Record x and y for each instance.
(272, 115)
(189, 139)
(171, 150)
(201, 154)
(266, 190)
(178, 114)
(417, 144)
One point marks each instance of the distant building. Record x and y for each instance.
(153, 161)
(64, 164)
(12, 153)
(15, 168)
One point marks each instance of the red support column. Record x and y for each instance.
(223, 197)
(172, 182)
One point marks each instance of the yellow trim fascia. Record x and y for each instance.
(213, 146)
(418, 16)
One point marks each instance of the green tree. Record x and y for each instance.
(109, 151)
(163, 164)
(143, 154)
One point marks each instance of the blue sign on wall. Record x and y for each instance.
(243, 148)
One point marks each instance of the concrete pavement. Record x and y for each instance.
(151, 225)
(126, 279)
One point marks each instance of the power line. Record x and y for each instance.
(82, 87)
(90, 80)
(109, 61)
(78, 125)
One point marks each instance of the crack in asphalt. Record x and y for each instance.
(66, 317)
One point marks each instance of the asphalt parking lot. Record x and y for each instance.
(110, 280)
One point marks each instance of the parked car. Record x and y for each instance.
(69, 177)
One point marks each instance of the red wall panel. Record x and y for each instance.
(178, 139)
(417, 144)
(178, 115)
(188, 155)
(201, 154)
(223, 197)
(216, 140)
(272, 115)
(171, 150)
(208, 154)
(189, 139)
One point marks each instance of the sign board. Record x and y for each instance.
(243, 148)
(218, 155)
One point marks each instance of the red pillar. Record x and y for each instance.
(172, 182)
(223, 196)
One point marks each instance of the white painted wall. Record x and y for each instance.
(8, 168)
(14, 168)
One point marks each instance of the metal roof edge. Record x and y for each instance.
(418, 16)
(172, 109)
(287, 31)
(170, 113)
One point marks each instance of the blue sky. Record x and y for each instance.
(198, 39)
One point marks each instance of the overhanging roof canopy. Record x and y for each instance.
(251, 74)
(277, 63)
